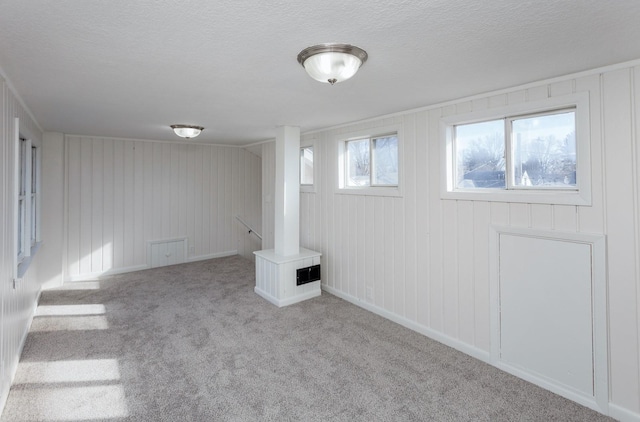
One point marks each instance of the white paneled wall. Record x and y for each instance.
(424, 261)
(123, 193)
(17, 304)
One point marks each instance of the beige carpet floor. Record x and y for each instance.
(193, 342)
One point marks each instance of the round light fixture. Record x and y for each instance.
(332, 63)
(187, 131)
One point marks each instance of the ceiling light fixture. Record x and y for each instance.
(187, 131)
(332, 63)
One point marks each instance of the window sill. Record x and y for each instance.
(26, 262)
(307, 188)
(528, 197)
(371, 191)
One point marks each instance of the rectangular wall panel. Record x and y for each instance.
(546, 319)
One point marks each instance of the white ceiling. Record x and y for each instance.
(129, 69)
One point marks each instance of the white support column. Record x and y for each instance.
(287, 191)
(277, 269)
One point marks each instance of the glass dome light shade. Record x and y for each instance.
(187, 131)
(332, 63)
(336, 67)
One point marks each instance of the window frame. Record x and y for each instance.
(578, 195)
(308, 188)
(372, 189)
(27, 190)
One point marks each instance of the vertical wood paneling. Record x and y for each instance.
(378, 251)
(123, 193)
(436, 227)
(352, 244)
(399, 280)
(118, 202)
(481, 221)
(622, 253)
(591, 219)
(422, 216)
(128, 215)
(138, 206)
(17, 303)
(450, 297)
(466, 272)
(97, 184)
(107, 216)
(85, 206)
(73, 189)
(408, 225)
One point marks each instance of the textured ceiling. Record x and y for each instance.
(131, 68)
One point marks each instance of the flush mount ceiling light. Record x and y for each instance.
(187, 131)
(332, 63)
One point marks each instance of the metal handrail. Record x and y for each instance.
(251, 230)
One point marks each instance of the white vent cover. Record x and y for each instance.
(166, 252)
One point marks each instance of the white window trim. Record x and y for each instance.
(579, 196)
(310, 188)
(22, 262)
(341, 140)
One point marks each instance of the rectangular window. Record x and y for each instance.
(537, 152)
(34, 196)
(306, 166)
(542, 152)
(27, 202)
(372, 161)
(22, 199)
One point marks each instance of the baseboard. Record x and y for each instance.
(289, 301)
(554, 387)
(435, 335)
(211, 256)
(97, 275)
(622, 414)
(115, 271)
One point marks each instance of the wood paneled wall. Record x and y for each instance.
(424, 261)
(122, 193)
(17, 304)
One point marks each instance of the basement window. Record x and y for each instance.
(27, 202)
(306, 166)
(370, 164)
(541, 156)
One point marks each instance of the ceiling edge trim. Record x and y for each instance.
(16, 94)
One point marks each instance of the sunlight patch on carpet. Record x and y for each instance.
(78, 323)
(68, 371)
(70, 310)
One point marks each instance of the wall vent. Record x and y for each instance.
(165, 252)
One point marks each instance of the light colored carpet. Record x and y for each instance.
(193, 342)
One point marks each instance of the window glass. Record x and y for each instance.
(479, 149)
(306, 166)
(34, 187)
(544, 151)
(22, 206)
(358, 159)
(385, 159)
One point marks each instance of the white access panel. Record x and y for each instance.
(546, 320)
(165, 252)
